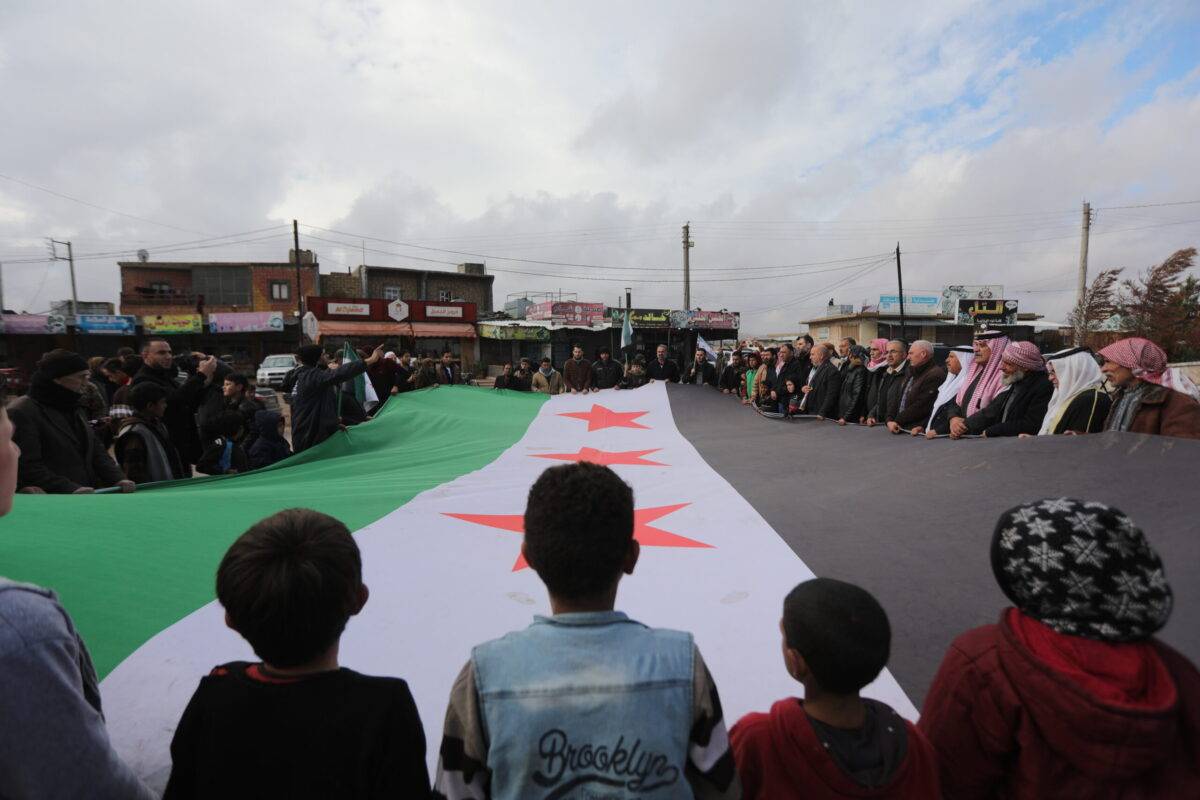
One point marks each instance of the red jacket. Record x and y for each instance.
(779, 756)
(1005, 724)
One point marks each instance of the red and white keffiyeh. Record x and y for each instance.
(993, 379)
(1148, 362)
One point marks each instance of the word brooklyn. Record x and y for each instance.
(567, 766)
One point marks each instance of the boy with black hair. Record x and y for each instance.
(586, 702)
(297, 724)
(225, 455)
(833, 743)
(143, 447)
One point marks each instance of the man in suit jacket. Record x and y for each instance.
(60, 452)
(824, 386)
(448, 371)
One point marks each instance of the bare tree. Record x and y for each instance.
(1098, 304)
(1155, 305)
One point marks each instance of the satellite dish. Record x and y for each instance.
(143, 255)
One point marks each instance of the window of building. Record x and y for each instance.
(160, 288)
(280, 290)
(444, 295)
(222, 285)
(392, 293)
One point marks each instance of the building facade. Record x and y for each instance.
(470, 283)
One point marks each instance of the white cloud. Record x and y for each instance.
(482, 127)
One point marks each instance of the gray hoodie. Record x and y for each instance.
(53, 742)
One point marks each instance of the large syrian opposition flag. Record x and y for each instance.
(435, 488)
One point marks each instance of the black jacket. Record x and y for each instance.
(667, 371)
(887, 403)
(1086, 413)
(826, 388)
(59, 450)
(852, 398)
(1018, 409)
(209, 463)
(183, 401)
(731, 377)
(919, 391)
(314, 402)
(873, 381)
(701, 373)
(270, 446)
(794, 370)
(606, 374)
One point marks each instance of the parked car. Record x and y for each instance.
(273, 369)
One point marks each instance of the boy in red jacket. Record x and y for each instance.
(1069, 695)
(833, 743)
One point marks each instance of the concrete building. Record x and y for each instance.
(469, 284)
(239, 308)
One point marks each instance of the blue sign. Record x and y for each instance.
(915, 304)
(106, 324)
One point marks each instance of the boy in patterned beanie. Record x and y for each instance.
(1069, 694)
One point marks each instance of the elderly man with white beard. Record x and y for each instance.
(1021, 405)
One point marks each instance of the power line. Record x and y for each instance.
(98, 207)
(1149, 205)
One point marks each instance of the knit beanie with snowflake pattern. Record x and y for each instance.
(1081, 568)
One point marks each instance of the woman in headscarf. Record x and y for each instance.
(1068, 694)
(1151, 397)
(876, 369)
(1079, 403)
(958, 363)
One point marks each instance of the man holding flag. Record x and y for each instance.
(314, 401)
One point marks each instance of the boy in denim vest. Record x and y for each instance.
(833, 743)
(585, 703)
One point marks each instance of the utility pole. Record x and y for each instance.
(70, 259)
(628, 301)
(687, 269)
(1081, 290)
(900, 286)
(299, 285)
(1, 288)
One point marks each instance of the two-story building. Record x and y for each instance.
(244, 309)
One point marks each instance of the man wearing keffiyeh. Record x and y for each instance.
(1021, 406)
(1151, 397)
(1069, 694)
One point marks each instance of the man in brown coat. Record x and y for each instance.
(577, 373)
(1151, 397)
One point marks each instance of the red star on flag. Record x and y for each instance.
(600, 417)
(605, 458)
(645, 533)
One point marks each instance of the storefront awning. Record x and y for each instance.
(331, 327)
(443, 330)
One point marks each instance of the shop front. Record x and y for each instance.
(441, 327)
(25, 338)
(718, 328)
(104, 334)
(512, 340)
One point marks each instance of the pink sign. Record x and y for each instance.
(245, 321)
(25, 323)
(568, 312)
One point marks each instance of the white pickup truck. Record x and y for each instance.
(273, 369)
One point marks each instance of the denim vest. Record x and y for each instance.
(587, 705)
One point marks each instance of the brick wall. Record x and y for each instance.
(342, 285)
(260, 286)
(472, 289)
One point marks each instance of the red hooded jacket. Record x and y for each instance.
(779, 756)
(1006, 724)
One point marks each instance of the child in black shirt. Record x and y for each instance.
(296, 725)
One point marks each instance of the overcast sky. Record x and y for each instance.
(565, 144)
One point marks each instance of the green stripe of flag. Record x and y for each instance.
(128, 566)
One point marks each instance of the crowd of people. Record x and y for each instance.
(1068, 694)
(136, 418)
(995, 387)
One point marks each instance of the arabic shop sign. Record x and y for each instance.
(173, 323)
(516, 333)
